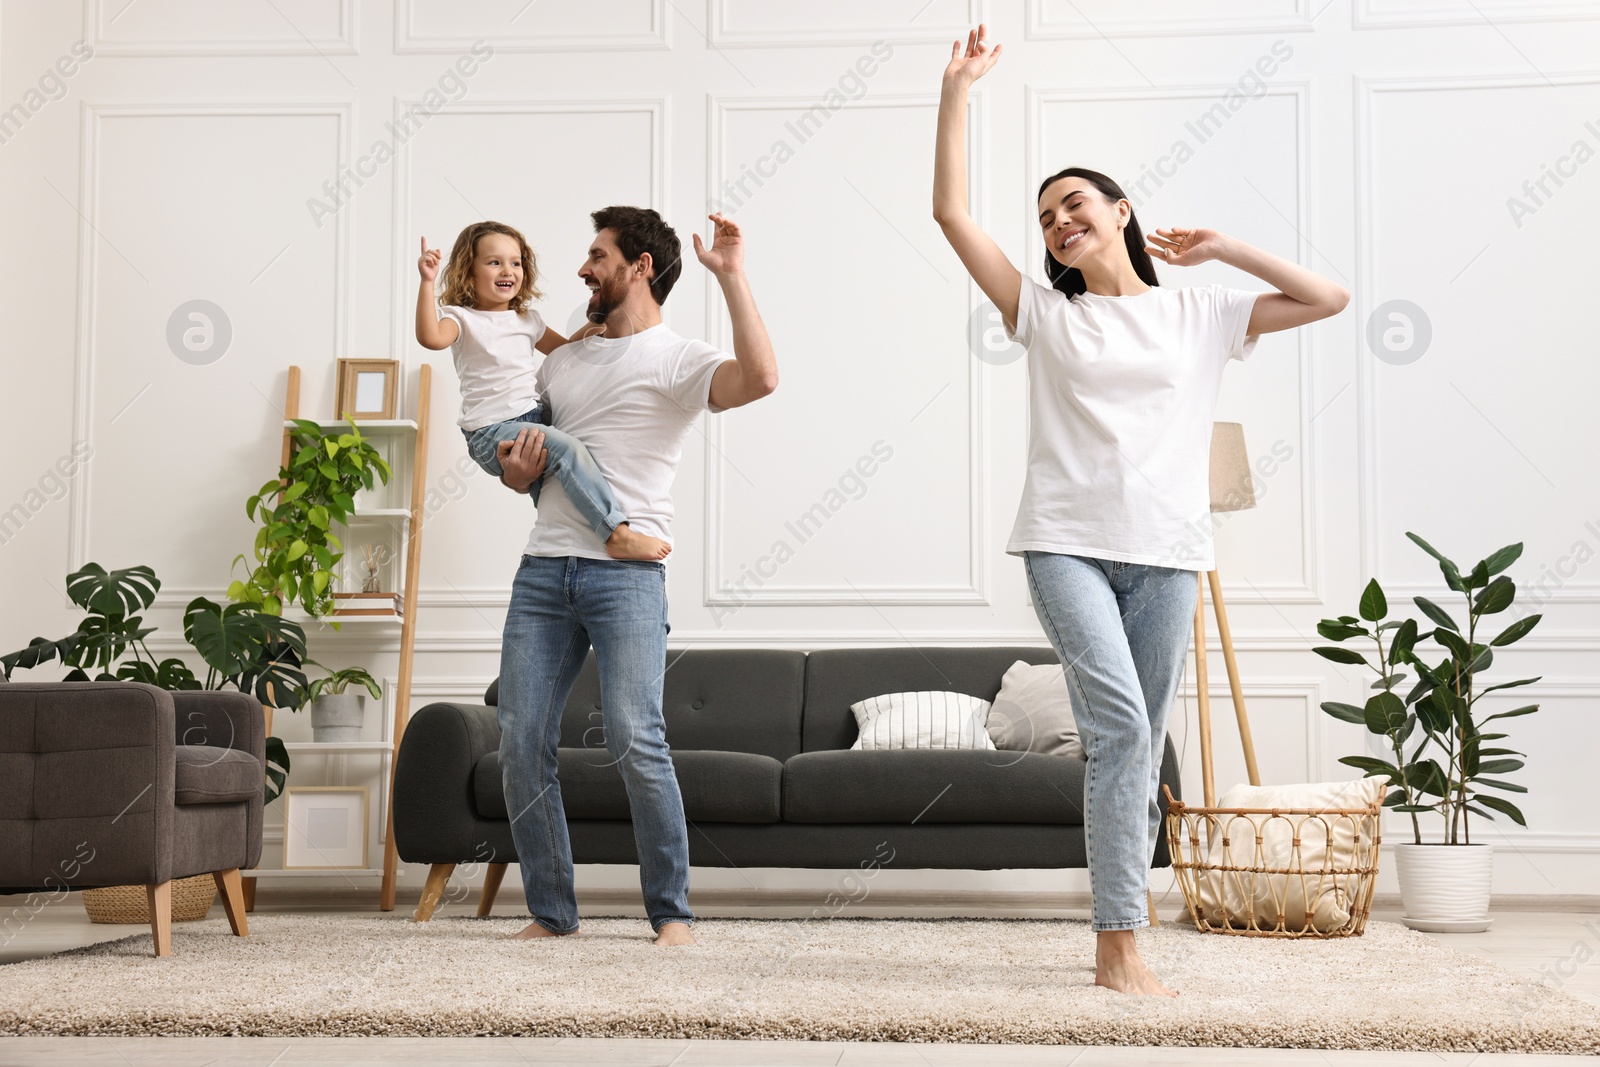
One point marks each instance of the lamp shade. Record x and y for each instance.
(1232, 488)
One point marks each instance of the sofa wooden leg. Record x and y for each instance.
(491, 886)
(232, 894)
(249, 893)
(160, 897)
(438, 878)
(1150, 902)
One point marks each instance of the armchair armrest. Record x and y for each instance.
(86, 774)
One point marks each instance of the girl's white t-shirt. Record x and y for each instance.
(1122, 395)
(496, 358)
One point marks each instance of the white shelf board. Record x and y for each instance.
(333, 748)
(368, 427)
(381, 513)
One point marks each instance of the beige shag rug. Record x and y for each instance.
(844, 979)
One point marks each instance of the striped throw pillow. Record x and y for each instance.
(922, 720)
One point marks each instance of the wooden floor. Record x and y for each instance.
(1557, 944)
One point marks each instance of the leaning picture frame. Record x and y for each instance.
(366, 389)
(325, 827)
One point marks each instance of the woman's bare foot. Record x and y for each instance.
(534, 930)
(625, 544)
(674, 934)
(1117, 966)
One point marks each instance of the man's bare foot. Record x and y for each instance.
(625, 544)
(674, 934)
(534, 930)
(1117, 966)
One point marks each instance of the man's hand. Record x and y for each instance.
(522, 461)
(726, 254)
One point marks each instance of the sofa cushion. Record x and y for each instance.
(931, 786)
(740, 787)
(728, 699)
(206, 775)
(839, 677)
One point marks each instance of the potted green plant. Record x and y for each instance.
(337, 715)
(296, 549)
(1443, 758)
(240, 646)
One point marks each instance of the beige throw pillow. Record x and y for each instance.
(1325, 842)
(1033, 712)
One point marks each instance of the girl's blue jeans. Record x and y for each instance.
(570, 462)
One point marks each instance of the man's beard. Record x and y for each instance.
(612, 292)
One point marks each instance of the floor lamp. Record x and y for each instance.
(1231, 490)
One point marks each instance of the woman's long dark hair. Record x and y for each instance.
(1069, 280)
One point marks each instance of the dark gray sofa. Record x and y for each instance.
(761, 744)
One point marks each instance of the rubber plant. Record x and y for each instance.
(1443, 758)
(242, 647)
(296, 549)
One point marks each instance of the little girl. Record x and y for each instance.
(493, 333)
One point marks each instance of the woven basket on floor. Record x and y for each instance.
(191, 899)
(1237, 870)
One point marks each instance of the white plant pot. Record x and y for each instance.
(338, 717)
(1445, 888)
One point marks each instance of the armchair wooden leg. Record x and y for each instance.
(491, 886)
(1150, 903)
(160, 897)
(249, 893)
(438, 878)
(232, 894)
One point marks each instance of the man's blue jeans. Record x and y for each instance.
(559, 604)
(1122, 631)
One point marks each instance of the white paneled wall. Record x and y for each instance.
(281, 160)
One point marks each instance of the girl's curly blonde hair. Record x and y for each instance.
(456, 279)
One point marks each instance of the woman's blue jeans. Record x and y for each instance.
(559, 604)
(1122, 631)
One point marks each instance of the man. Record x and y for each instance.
(630, 394)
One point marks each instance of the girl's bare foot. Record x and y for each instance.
(674, 934)
(624, 543)
(534, 930)
(1117, 966)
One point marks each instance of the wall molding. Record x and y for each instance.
(718, 590)
(1368, 487)
(291, 45)
(93, 118)
(1041, 29)
(1308, 589)
(408, 42)
(719, 36)
(1364, 14)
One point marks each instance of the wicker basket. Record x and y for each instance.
(191, 899)
(1218, 858)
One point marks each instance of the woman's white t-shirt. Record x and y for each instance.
(1122, 394)
(495, 357)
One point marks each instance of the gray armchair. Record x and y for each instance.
(117, 783)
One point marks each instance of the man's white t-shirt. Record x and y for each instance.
(495, 354)
(1122, 395)
(631, 400)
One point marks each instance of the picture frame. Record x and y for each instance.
(325, 827)
(366, 389)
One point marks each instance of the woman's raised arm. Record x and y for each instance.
(995, 274)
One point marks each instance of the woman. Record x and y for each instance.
(1114, 520)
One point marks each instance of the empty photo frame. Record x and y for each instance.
(325, 827)
(367, 389)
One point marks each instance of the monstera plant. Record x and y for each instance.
(1446, 758)
(242, 648)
